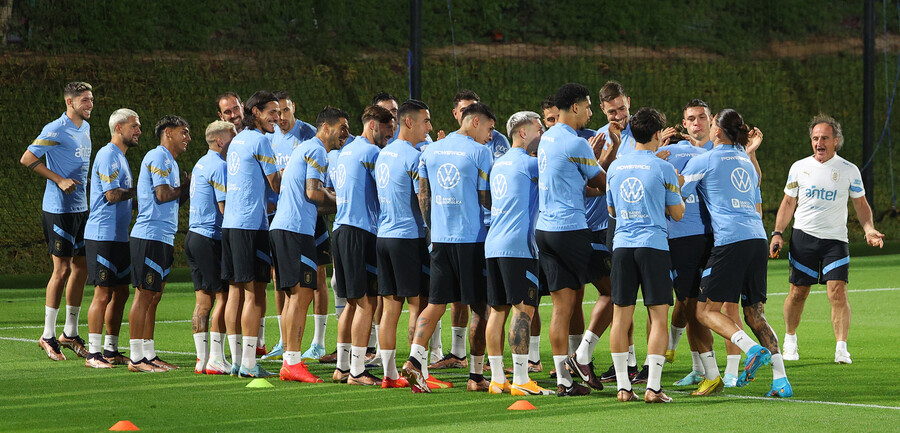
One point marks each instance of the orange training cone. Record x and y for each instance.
(522, 405)
(124, 426)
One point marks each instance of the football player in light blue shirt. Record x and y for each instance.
(696, 121)
(453, 183)
(66, 144)
(229, 108)
(567, 164)
(401, 251)
(106, 237)
(511, 253)
(726, 179)
(641, 190)
(203, 248)
(292, 232)
(245, 240)
(160, 189)
(354, 241)
(616, 106)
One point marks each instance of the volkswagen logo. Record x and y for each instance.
(340, 176)
(741, 179)
(234, 163)
(383, 175)
(498, 186)
(631, 190)
(448, 176)
(542, 160)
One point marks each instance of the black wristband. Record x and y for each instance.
(774, 233)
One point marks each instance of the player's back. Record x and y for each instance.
(207, 190)
(640, 186)
(397, 180)
(354, 185)
(696, 218)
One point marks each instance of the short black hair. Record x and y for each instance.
(646, 122)
(410, 107)
(383, 96)
(282, 94)
(570, 94)
(170, 121)
(76, 88)
(695, 103)
(477, 109)
(258, 100)
(548, 103)
(376, 113)
(611, 90)
(228, 94)
(330, 115)
(465, 95)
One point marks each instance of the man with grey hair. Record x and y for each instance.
(511, 255)
(816, 193)
(66, 145)
(106, 238)
(203, 248)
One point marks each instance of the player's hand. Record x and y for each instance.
(615, 132)
(755, 140)
(663, 154)
(68, 185)
(597, 143)
(441, 135)
(875, 238)
(775, 246)
(665, 135)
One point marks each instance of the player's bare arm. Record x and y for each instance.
(34, 163)
(864, 215)
(785, 213)
(425, 200)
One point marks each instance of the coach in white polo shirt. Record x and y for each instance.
(817, 189)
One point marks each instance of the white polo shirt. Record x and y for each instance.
(822, 190)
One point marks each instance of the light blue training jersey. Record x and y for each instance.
(296, 212)
(109, 221)
(627, 144)
(565, 163)
(208, 182)
(354, 185)
(594, 207)
(397, 180)
(725, 179)
(156, 221)
(707, 147)
(514, 206)
(250, 159)
(639, 186)
(68, 152)
(456, 167)
(696, 217)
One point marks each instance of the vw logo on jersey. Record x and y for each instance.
(340, 176)
(234, 163)
(383, 175)
(740, 179)
(448, 176)
(632, 190)
(500, 150)
(193, 185)
(498, 186)
(542, 160)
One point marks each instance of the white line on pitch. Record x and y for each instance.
(811, 292)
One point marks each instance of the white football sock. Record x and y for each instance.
(201, 344)
(841, 345)
(742, 340)
(585, 350)
(632, 359)
(292, 358)
(654, 376)
(476, 364)
(111, 343)
(620, 363)
(236, 348)
(389, 363)
(137, 349)
(674, 336)
(280, 332)
(534, 349)
(357, 360)
(94, 345)
(520, 369)
(248, 357)
(50, 322)
(216, 348)
(373, 335)
(71, 327)
(261, 336)
(697, 362)
(778, 370)
(343, 356)
(497, 373)
(319, 323)
(732, 364)
(574, 341)
(710, 367)
(420, 354)
(458, 341)
(562, 374)
(788, 339)
(435, 343)
(149, 349)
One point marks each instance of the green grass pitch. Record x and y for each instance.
(39, 395)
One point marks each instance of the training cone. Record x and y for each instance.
(260, 383)
(521, 405)
(124, 426)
